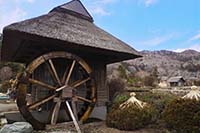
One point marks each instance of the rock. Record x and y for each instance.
(17, 127)
(3, 121)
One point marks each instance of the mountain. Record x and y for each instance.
(167, 63)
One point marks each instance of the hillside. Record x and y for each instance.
(167, 63)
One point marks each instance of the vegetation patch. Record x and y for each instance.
(158, 100)
(131, 117)
(183, 115)
(115, 86)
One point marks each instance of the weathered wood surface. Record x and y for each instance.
(100, 78)
(47, 79)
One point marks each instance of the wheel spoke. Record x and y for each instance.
(64, 76)
(54, 71)
(33, 81)
(83, 99)
(66, 109)
(70, 72)
(50, 70)
(61, 88)
(79, 82)
(55, 112)
(73, 117)
(74, 108)
(38, 103)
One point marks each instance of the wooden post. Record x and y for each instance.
(73, 118)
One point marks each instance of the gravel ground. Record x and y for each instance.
(95, 127)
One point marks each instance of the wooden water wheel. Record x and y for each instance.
(67, 80)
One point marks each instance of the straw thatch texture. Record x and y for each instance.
(61, 25)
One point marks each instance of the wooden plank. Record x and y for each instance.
(70, 72)
(61, 88)
(55, 113)
(74, 108)
(83, 99)
(73, 118)
(50, 71)
(85, 66)
(37, 82)
(64, 75)
(79, 82)
(38, 103)
(100, 78)
(54, 72)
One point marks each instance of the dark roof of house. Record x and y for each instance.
(75, 7)
(70, 25)
(175, 79)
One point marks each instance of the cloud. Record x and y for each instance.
(99, 7)
(11, 16)
(149, 2)
(12, 11)
(106, 1)
(194, 38)
(157, 40)
(30, 1)
(100, 11)
(193, 47)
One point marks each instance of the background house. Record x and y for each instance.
(176, 81)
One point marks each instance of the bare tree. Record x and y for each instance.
(5, 73)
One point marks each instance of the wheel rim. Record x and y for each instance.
(62, 87)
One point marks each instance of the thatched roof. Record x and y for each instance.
(69, 27)
(175, 79)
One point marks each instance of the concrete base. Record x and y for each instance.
(15, 116)
(99, 113)
(41, 116)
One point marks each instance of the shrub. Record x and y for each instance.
(122, 70)
(119, 99)
(158, 100)
(183, 115)
(6, 73)
(115, 85)
(130, 118)
(5, 86)
(149, 81)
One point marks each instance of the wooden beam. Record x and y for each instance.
(54, 72)
(73, 118)
(74, 108)
(55, 113)
(42, 101)
(70, 71)
(50, 70)
(64, 75)
(61, 88)
(33, 81)
(83, 99)
(79, 82)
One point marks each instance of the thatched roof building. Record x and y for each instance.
(67, 27)
(176, 81)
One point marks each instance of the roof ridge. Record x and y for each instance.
(76, 8)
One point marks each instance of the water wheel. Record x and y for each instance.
(67, 80)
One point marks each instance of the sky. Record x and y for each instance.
(143, 24)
